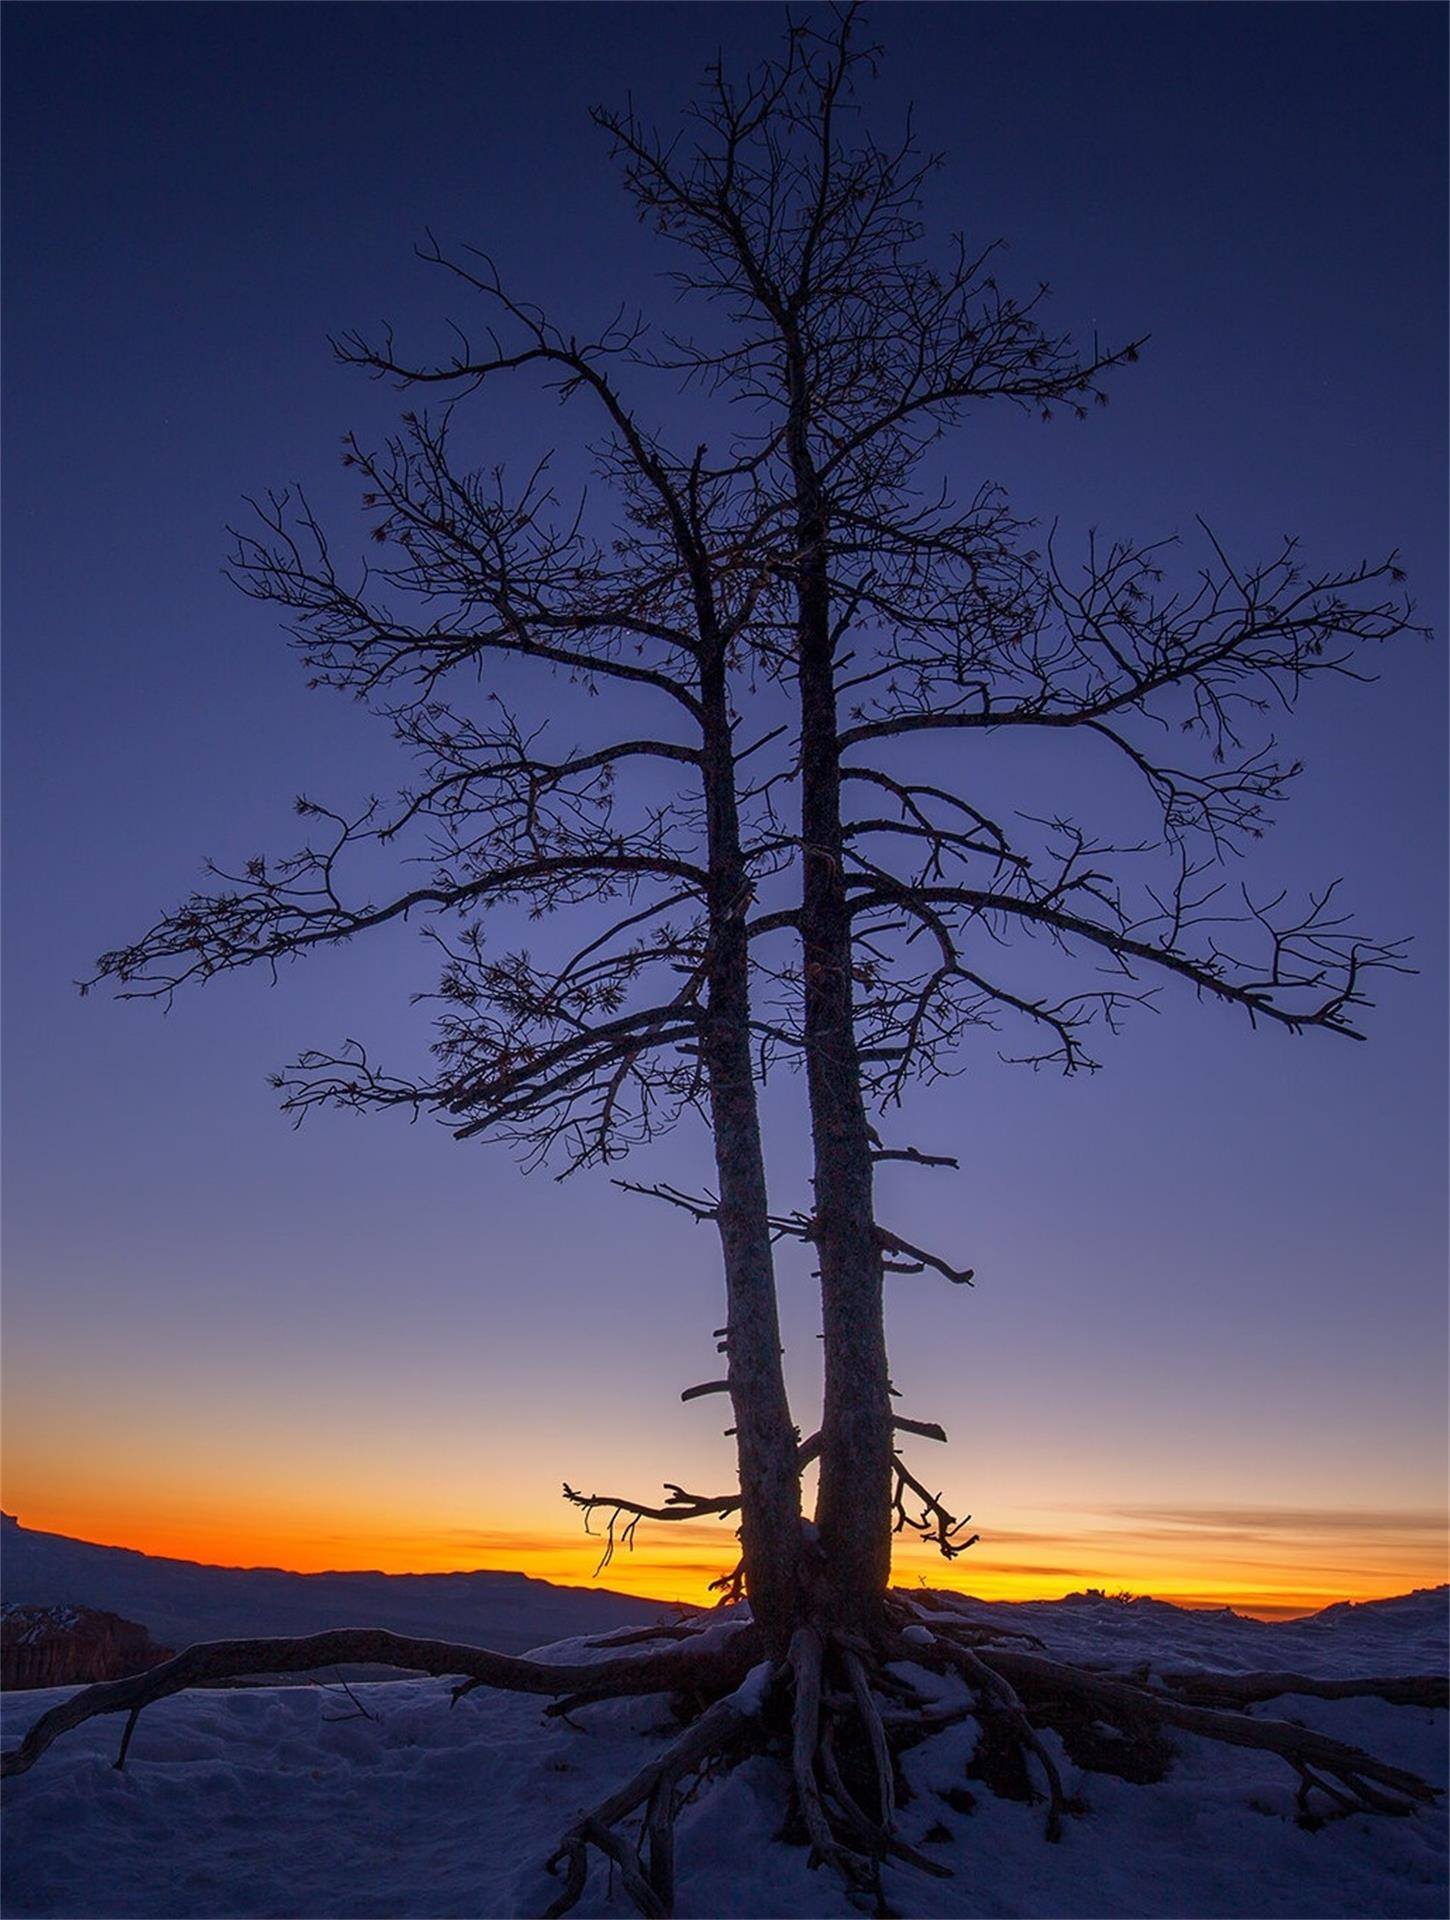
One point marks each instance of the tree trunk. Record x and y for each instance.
(765, 1435)
(853, 1511)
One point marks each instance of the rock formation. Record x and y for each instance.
(71, 1646)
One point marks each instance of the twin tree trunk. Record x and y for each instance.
(844, 1580)
(766, 1438)
(853, 1511)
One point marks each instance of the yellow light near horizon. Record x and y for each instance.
(678, 1564)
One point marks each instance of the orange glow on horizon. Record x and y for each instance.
(230, 1498)
(1270, 1578)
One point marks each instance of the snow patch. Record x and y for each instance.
(303, 1801)
(749, 1697)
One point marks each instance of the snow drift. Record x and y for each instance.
(312, 1801)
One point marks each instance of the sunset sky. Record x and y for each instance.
(1206, 1354)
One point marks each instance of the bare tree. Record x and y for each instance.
(898, 611)
(644, 1013)
(781, 908)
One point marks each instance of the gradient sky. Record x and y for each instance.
(1206, 1352)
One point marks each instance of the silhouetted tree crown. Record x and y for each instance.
(760, 849)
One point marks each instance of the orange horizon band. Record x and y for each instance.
(678, 1567)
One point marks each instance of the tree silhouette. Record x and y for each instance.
(851, 354)
(804, 890)
(643, 1011)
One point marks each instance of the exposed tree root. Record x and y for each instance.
(838, 1711)
(650, 1881)
(718, 1660)
(1364, 1784)
(997, 1695)
(639, 1636)
(857, 1869)
(1247, 1689)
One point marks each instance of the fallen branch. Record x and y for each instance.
(720, 1663)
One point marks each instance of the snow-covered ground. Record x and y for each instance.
(289, 1800)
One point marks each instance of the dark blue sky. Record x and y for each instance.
(1211, 1274)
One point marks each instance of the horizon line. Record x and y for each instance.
(1270, 1612)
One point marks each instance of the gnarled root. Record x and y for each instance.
(997, 1696)
(718, 1659)
(833, 1708)
(1030, 1690)
(649, 1881)
(819, 1708)
(854, 1867)
(1352, 1780)
(1247, 1689)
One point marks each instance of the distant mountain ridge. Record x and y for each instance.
(181, 1601)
